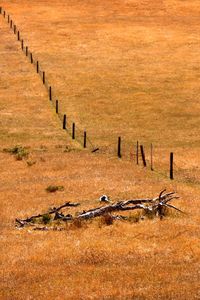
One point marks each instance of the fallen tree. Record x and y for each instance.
(155, 207)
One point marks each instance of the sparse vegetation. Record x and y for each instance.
(20, 152)
(30, 163)
(54, 188)
(46, 219)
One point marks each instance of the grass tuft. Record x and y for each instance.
(20, 152)
(54, 188)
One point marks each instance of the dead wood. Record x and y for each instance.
(155, 207)
(54, 210)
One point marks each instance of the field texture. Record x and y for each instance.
(128, 68)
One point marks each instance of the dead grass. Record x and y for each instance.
(120, 68)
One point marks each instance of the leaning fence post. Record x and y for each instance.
(57, 106)
(171, 165)
(31, 56)
(64, 121)
(50, 93)
(73, 131)
(85, 140)
(143, 155)
(119, 148)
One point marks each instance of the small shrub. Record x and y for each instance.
(77, 223)
(150, 214)
(19, 152)
(107, 219)
(31, 163)
(46, 219)
(54, 188)
(135, 218)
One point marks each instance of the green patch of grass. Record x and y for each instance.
(46, 219)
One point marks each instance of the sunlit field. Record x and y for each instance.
(118, 68)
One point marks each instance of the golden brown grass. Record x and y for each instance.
(109, 61)
(126, 68)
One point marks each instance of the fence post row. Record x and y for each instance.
(12, 25)
(171, 165)
(119, 148)
(143, 155)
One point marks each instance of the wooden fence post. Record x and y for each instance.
(57, 106)
(43, 77)
(4, 13)
(50, 93)
(14, 29)
(8, 18)
(37, 66)
(31, 56)
(143, 155)
(64, 121)
(22, 44)
(73, 131)
(137, 153)
(85, 140)
(151, 157)
(26, 50)
(171, 165)
(11, 22)
(0, 10)
(119, 148)
(18, 35)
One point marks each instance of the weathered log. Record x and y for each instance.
(150, 205)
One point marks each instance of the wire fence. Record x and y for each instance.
(137, 153)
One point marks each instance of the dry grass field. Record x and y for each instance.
(128, 68)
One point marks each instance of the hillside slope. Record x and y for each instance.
(151, 259)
